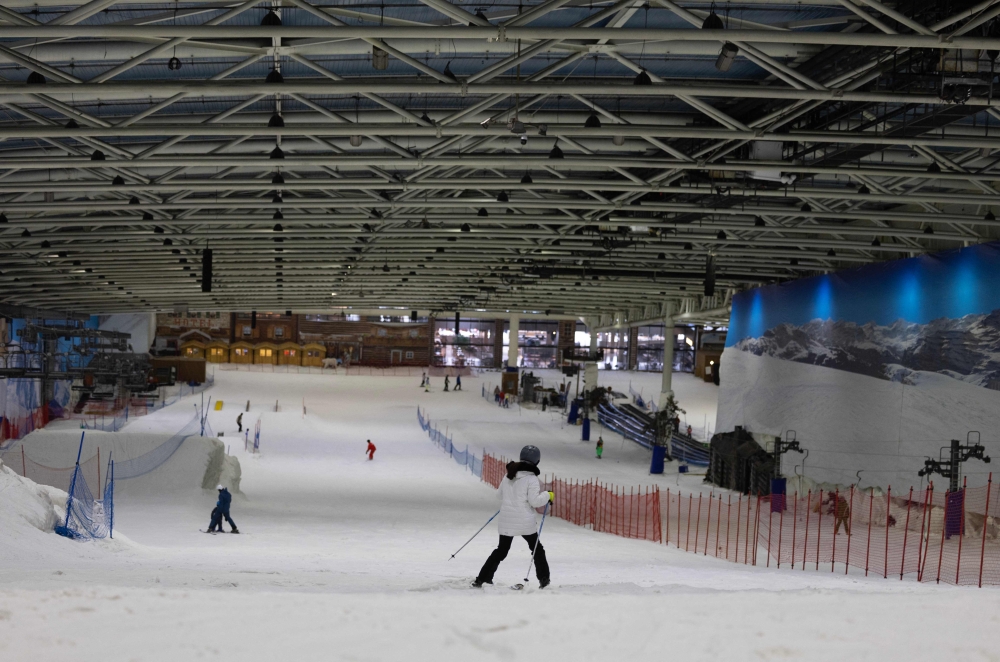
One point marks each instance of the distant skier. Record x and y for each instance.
(458, 382)
(370, 450)
(496, 394)
(222, 510)
(519, 494)
(423, 379)
(600, 447)
(239, 421)
(689, 431)
(446, 382)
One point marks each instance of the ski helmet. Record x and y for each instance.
(219, 487)
(531, 454)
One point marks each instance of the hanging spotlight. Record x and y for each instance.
(661, 256)
(276, 200)
(934, 167)
(864, 190)
(356, 141)
(482, 213)
(276, 121)
(758, 222)
(274, 77)
(270, 20)
(425, 224)
(688, 247)
(277, 228)
(118, 181)
(174, 63)
(146, 216)
(593, 122)
(71, 124)
(929, 230)
(25, 234)
(712, 22)
(98, 155)
(721, 235)
(709, 276)
(502, 197)
(794, 262)
(556, 153)
(466, 227)
(168, 242)
(278, 216)
(642, 78)
(989, 215)
(527, 179)
(831, 253)
(46, 244)
(157, 230)
(385, 268)
(3, 218)
(206, 270)
(727, 56)
(276, 153)
(277, 179)
(380, 59)
(618, 140)
(133, 200)
(35, 78)
(806, 208)
(876, 242)
(427, 119)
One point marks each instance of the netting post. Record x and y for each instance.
(98, 467)
(906, 534)
(746, 537)
(24, 466)
(631, 500)
(850, 517)
(805, 542)
(111, 520)
(666, 532)
(708, 523)
(697, 524)
(888, 506)
(687, 537)
(944, 527)
(770, 519)
(961, 530)
(871, 503)
(986, 519)
(739, 512)
(836, 520)
(921, 548)
(819, 527)
(729, 518)
(781, 525)
(718, 521)
(795, 521)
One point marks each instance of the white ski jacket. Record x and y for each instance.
(518, 499)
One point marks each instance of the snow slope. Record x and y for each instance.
(346, 559)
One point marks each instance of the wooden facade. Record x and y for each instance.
(265, 353)
(289, 353)
(241, 352)
(193, 349)
(217, 351)
(313, 354)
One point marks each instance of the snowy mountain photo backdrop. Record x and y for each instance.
(873, 368)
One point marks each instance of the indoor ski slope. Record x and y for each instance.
(346, 559)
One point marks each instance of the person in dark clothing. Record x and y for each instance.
(519, 494)
(239, 421)
(458, 382)
(222, 510)
(446, 382)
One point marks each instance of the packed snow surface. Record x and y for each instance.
(345, 559)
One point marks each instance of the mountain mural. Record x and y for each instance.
(964, 348)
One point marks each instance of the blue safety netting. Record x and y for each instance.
(146, 462)
(638, 400)
(464, 458)
(87, 516)
(682, 448)
(118, 421)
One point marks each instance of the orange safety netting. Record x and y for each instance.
(943, 537)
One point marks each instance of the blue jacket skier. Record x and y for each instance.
(222, 510)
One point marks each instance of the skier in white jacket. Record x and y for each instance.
(519, 494)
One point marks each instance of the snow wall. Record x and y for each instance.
(873, 369)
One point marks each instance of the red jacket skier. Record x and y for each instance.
(371, 450)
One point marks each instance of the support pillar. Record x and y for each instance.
(590, 369)
(512, 337)
(666, 384)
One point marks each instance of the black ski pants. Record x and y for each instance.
(500, 553)
(217, 516)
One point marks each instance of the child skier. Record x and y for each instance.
(446, 382)
(600, 447)
(370, 450)
(222, 510)
(519, 494)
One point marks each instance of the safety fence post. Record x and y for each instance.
(746, 535)
(944, 527)
(756, 529)
(888, 506)
(687, 536)
(666, 532)
(805, 542)
(729, 521)
(850, 517)
(836, 527)
(819, 527)
(961, 529)
(781, 525)
(871, 502)
(739, 513)
(24, 466)
(718, 521)
(99, 468)
(921, 548)
(631, 499)
(906, 534)
(708, 523)
(697, 524)
(986, 518)
(770, 520)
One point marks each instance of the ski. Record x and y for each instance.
(212, 532)
(517, 587)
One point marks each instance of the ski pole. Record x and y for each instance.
(537, 540)
(475, 534)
